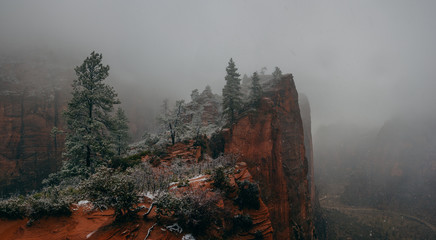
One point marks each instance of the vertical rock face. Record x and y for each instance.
(271, 141)
(31, 101)
(307, 126)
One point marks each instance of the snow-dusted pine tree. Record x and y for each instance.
(255, 90)
(277, 74)
(120, 132)
(232, 101)
(88, 116)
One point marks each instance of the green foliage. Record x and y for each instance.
(88, 116)
(220, 179)
(232, 101)
(242, 223)
(194, 210)
(43, 205)
(277, 74)
(127, 162)
(120, 132)
(13, 208)
(50, 201)
(107, 188)
(69, 175)
(255, 90)
(248, 196)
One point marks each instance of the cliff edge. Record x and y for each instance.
(270, 140)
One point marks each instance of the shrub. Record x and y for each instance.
(13, 208)
(40, 206)
(220, 179)
(242, 223)
(48, 202)
(248, 195)
(150, 139)
(108, 188)
(194, 210)
(127, 162)
(148, 180)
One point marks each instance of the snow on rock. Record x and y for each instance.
(198, 178)
(188, 237)
(82, 203)
(90, 234)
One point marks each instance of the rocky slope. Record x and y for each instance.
(87, 224)
(271, 141)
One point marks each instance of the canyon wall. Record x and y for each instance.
(32, 98)
(270, 140)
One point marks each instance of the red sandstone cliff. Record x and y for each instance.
(31, 100)
(271, 141)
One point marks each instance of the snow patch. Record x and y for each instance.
(151, 195)
(82, 203)
(198, 178)
(188, 237)
(90, 234)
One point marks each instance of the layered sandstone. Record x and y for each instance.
(271, 140)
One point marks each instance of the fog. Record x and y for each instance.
(360, 61)
(367, 68)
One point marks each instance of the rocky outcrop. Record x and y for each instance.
(270, 140)
(32, 96)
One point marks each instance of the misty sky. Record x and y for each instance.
(357, 61)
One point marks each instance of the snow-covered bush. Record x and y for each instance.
(50, 201)
(40, 205)
(194, 210)
(147, 179)
(13, 208)
(108, 188)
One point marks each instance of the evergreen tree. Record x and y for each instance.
(194, 95)
(255, 90)
(277, 74)
(232, 101)
(120, 132)
(88, 116)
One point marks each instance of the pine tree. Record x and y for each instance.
(194, 95)
(88, 116)
(255, 90)
(232, 101)
(120, 132)
(277, 74)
